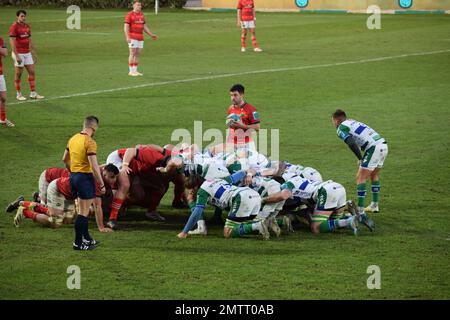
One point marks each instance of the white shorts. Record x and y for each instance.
(43, 186)
(374, 157)
(272, 187)
(246, 203)
(2, 83)
(27, 59)
(115, 159)
(331, 196)
(56, 200)
(248, 24)
(135, 44)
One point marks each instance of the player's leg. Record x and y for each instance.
(33, 211)
(361, 178)
(331, 200)
(3, 120)
(254, 42)
(246, 204)
(83, 186)
(43, 186)
(375, 180)
(131, 59)
(137, 56)
(17, 83)
(29, 65)
(119, 198)
(243, 38)
(378, 159)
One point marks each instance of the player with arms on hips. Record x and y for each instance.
(360, 137)
(247, 21)
(3, 120)
(134, 29)
(24, 54)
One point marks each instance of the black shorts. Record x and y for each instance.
(83, 185)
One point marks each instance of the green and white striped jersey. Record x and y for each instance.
(218, 192)
(303, 188)
(365, 137)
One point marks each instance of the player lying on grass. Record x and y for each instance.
(140, 161)
(61, 204)
(329, 198)
(243, 203)
(360, 137)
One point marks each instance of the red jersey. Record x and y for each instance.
(2, 45)
(146, 160)
(249, 115)
(55, 173)
(136, 21)
(247, 8)
(21, 33)
(63, 185)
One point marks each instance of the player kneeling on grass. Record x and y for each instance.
(244, 204)
(61, 204)
(329, 198)
(46, 177)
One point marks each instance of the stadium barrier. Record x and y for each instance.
(337, 6)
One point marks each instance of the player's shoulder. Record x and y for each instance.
(249, 107)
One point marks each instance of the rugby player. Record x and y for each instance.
(23, 54)
(360, 137)
(134, 29)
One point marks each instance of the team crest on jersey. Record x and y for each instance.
(255, 115)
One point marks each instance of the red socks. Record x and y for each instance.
(32, 83)
(17, 84)
(115, 207)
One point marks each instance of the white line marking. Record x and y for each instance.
(228, 75)
(72, 32)
(65, 19)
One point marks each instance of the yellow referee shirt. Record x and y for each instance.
(80, 146)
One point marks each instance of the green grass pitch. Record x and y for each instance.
(405, 96)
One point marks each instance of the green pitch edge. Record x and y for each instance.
(419, 11)
(322, 11)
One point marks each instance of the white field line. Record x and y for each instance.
(73, 32)
(228, 75)
(65, 19)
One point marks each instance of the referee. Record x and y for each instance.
(81, 156)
